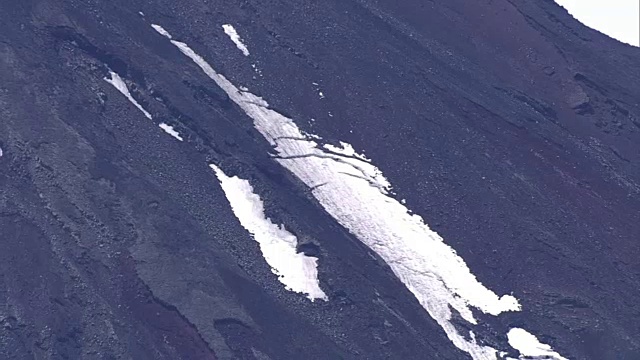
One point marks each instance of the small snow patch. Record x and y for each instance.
(529, 346)
(169, 130)
(297, 271)
(233, 35)
(119, 84)
(256, 69)
(320, 93)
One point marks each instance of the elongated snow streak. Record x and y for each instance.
(530, 347)
(169, 130)
(355, 193)
(233, 35)
(298, 272)
(160, 30)
(119, 84)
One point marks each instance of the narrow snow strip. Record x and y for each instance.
(119, 84)
(338, 177)
(161, 30)
(169, 130)
(298, 272)
(233, 35)
(529, 346)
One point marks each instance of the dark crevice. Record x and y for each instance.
(113, 62)
(173, 327)
(593, 85)
(239, 337)
(204, 143)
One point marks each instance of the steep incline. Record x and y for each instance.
(502, 134)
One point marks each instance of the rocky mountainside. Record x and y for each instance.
(345, 179)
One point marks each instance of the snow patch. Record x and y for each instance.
(233, 35)
(618, 19)
(298, 272)
(530, 347)
(119, 84)
(256, 69)
(169, 130)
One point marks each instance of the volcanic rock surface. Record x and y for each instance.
(510, 128)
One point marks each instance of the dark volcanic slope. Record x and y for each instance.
(513, 130)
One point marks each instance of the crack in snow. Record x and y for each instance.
(382, 186)
(314, 187)
(354, 157)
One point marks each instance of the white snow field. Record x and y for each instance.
(297, 271)
(357, 195)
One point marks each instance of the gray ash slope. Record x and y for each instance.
(509, 127)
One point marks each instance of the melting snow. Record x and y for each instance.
(233, 35)
(169, 130)
(119, 84)
(529, 346)
(355, 193)
(295, 270)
